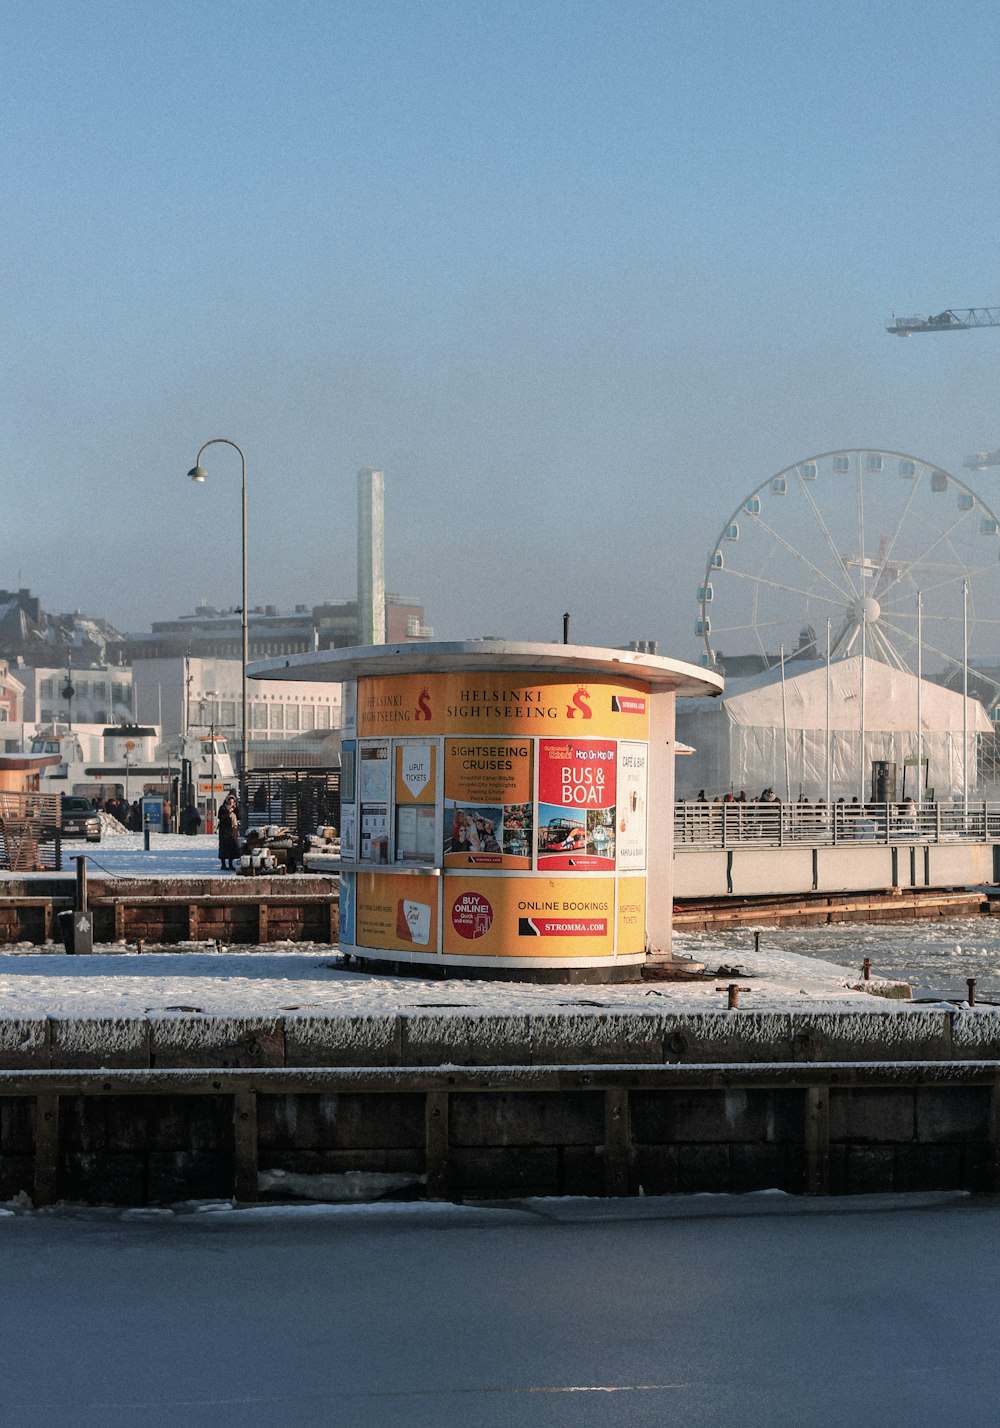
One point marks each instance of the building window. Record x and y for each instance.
(277, 716)
(45, 689)
(100, 689)
(258, 715)
(322, 716)
(308, 717)
(292, 716)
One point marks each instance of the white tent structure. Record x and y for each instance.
(769, 732)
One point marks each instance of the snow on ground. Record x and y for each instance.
(273, 980)
(793, 966)
(122, 855)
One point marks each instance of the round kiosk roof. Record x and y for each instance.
(570, 661)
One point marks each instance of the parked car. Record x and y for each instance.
(79, 818)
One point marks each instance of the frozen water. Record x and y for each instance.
(937, 955)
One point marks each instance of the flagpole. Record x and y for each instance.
(784, 729)
(920, 690)
(829, 771)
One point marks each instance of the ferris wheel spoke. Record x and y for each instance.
(762, 580)
(954, 577)
(895, 535)
(904, 570)
(883, 646)
(750, 625)
(757, 628)
(827, 536)
(954, 661)
(787, 545)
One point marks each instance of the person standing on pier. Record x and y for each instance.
(229, 832)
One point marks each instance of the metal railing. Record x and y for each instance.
(728, 825)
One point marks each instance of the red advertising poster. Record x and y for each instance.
(577, 779)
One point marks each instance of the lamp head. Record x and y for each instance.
(197, 473)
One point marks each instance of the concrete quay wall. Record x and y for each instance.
(158, 1110)
(748, 871)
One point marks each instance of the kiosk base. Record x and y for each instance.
(435, 972)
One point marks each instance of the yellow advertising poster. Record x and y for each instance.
(416, 766)
(397, 912)
(500, 705)
(487, 803)
(631, 916)
(529, 917)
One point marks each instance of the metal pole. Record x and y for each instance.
(829, 770)
(965, 702)
(212, 736)
(244, 630)
(784, 729)
(861, 707)
(920, 691)
(244, 729)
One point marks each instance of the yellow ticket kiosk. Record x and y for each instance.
(506, 809)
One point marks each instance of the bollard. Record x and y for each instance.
(866, 969)
(756, 942)
(83, 923)
(145, 839)
(139, 945)
(734, 995)
(970, 982)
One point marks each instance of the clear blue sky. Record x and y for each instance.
(577, 276)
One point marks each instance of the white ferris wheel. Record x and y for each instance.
(846, 546)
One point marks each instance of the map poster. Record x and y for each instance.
(487, 807)
(576, 804)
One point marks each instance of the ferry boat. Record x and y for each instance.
(128, 760)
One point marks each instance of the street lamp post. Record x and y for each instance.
(210, 807)
(68, 690)
(198, 473)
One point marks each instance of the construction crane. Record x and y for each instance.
(953, 319)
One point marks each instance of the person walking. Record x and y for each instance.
(229, 832)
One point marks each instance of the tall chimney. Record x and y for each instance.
(371, 557)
